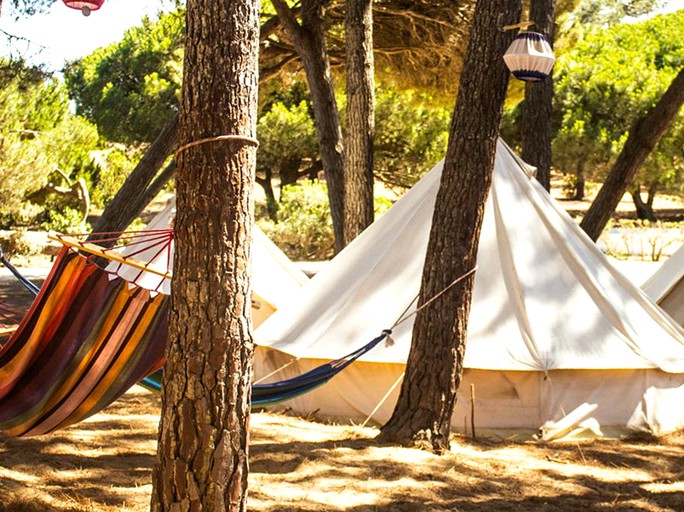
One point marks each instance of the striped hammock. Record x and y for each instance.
(86, 339)
(94, 331)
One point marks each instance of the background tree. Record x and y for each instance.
(609, 80)
(610, 12)
(360, 132)
(288, 149)
(38, 135)
(537, 107)
(643, 137)
(411, 133)
(28, 7)
(203, 437)
(143, 184)
(308, 37)
(663, 171)
(435, 362)
(131, 88)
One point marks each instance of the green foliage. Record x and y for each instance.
(605, 84)
(130, 89)
(304, 226)
(410, 136)
(65, 220)
(107, 173)
(287, 137)
(304, 230)
(38, 133)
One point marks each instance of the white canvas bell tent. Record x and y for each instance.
(274, 276)
(666, 286)
(556, 334)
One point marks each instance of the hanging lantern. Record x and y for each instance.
(530, 57)
(86, 6)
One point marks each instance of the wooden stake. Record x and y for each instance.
(472, 409)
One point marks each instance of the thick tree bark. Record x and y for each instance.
(358, 186)
(435, 364)
(308, 39)
(203, 439)
(536, 118)
(136, 192)
(643, 137)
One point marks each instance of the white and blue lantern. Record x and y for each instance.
(530, 57)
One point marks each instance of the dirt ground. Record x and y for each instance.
(104, 465)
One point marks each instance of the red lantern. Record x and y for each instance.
(84, 5)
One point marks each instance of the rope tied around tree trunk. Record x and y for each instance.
(241, 138)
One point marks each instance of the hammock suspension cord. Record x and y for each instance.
(387, 333)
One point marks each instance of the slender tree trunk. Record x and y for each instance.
(203, 438)
(580, 183)
(271, 203)
(289, 171)
(435, 363)
(536, 119)
(136, 192)
(644, 209)
(358, 189)
(643, 137)
(308, 39)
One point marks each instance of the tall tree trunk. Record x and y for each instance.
(536, 118)
(308, 39)
(203, 438)
(435, 363)
(643, 137)
(136, 192)
(358, 159)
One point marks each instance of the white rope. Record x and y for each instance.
(383, 399)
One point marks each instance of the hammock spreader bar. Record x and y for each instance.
(263, 394)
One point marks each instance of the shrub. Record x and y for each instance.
(66, 220)
(304, 228)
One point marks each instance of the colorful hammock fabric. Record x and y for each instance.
(94, 332)
(86, 339)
